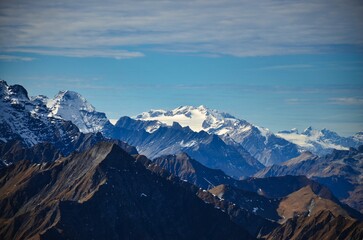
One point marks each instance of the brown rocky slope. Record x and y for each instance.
(103, 193)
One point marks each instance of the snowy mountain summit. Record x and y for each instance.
(71, 106)
(26, 120)
(258, 141)
(197, 118)
(321, 141)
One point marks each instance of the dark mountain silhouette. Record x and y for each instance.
(103, 193)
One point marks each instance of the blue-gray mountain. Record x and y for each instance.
(321, 142)
(208, 149)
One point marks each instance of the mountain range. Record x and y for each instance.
(209, 149)
(66, 172)
(26, 122)
(104, 192)
(262, 144)
(258, 141)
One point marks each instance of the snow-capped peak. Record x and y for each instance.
(70, 99)
(27, 119)
(309, 131)
(74, 107)
(320, 141)
(197, 118)
(14, 94)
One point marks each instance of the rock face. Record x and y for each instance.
(14, 151)
(103, 193)
(190, 170)
(259, 142)
(207, 149)
(306, 201)
(250, 201)
(341, 171)
(323, 225)
(254, 224)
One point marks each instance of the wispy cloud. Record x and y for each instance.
(11, 58)
(126, 29)
(297, 101)
(288, 67)
(74, 52)
(347, 101)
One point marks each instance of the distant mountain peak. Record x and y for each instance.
(14, 93)
(321, 141)
(72, 106)
(75, 100)
(308, 130)
(197, 118)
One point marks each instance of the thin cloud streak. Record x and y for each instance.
(346, 101)
(288, 67)
(106, 53)
(210, 28)
(11, 58)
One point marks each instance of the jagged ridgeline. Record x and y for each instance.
(66, 172)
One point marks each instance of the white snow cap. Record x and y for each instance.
(72, 106)
(197, 118)
(72, 100)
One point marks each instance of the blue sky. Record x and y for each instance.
(278, 64)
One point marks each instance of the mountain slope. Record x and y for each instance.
(341, 171)
(259, 142)
(188, 169)
(305, 201)
(103, 193)
(254, 224)
(14, 151)
(322, 225)
(258, 196)
(251, 201)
